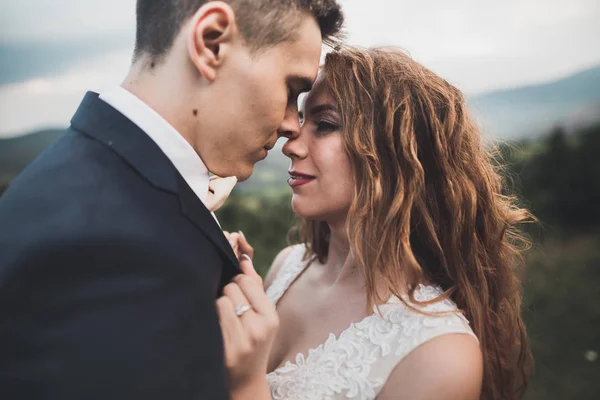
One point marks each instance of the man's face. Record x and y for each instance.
(253, 102)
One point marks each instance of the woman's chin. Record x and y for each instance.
(306, 211)
(300, 207)
(299, 211)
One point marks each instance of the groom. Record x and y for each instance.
(110, 263)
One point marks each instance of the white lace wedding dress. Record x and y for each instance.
(357, 364)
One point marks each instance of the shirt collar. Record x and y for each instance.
(183, 156)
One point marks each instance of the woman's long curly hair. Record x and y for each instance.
(428, 203)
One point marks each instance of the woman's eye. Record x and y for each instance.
(324, 126)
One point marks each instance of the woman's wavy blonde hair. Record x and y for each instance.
(428, 203)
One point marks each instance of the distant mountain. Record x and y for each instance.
(532, 110)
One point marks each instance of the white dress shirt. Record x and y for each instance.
(173, 145)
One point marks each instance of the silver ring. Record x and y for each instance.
(239, 310)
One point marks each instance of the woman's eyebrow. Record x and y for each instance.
(323, 107)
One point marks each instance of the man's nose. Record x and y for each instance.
(290, 127)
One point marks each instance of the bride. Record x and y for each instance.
(405, 285)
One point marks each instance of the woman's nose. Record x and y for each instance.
(295, 147)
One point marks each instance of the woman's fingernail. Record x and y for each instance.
(242, 234)
(246, 257)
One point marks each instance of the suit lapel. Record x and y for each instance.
(100, 121)
(199, 215)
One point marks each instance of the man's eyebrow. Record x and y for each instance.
(305, 84)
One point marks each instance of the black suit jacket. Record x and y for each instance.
(109, 271)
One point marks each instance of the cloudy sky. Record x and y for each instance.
(53, 51)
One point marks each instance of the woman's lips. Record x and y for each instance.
(294, 182)
(298, 179)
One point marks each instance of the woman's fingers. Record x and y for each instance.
(247, 267)
(231, 329)
(255, 294)
(244, 252)
(234, 241)
(248, 337)
(245, 247)
(239, 244)
(261, 322)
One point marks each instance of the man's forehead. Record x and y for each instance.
(303, 53)
(303, 66)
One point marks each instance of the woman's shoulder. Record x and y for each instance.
(424, 339)
(445, 367)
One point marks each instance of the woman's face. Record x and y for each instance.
(320, 175)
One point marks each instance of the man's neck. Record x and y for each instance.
(161, 89)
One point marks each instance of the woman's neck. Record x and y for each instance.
(340, 265)
(342, 268)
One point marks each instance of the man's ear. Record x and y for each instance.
(212, 29)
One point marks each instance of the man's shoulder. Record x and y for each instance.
(73, 168)
(77, 187)
(73, 154)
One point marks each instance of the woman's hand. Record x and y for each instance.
(248, 323)
(243, 250)
(239, 244)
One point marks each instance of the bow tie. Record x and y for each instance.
(219, 190)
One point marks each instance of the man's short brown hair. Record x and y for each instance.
(262, 23)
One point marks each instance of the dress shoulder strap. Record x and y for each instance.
(292, 266)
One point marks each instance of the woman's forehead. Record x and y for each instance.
(318, 95)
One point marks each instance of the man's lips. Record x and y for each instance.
(299, 178)
(265, 150)
(269, 146)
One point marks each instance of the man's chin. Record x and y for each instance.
(242, 173)
(245, 174)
